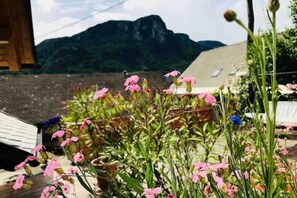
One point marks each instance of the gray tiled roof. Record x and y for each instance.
(227, 58)
(36, 98)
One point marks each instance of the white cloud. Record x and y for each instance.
(47, 6)
(43, 28)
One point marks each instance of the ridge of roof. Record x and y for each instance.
(221, 48)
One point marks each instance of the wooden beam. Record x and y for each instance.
(13, 57)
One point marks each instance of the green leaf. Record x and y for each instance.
(157, 129)
(82, 182)
(142, 149)
(134, 183)
(172, 171)
(149, 173)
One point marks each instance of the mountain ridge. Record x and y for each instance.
(113, 46)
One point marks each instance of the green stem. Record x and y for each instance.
(273, 116)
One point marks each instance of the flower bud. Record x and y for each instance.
(230, 15)
(29, 182)
(43, 155)
(59, 171)
(26, 186)
(189, 88)
(144, 85)
(250, 62)
(28, 170)
(221, 87)
(73, 148)
(71, 180)
(273, 5)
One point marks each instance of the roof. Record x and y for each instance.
(17, 138)
(17, 133)
(17, 49)
(36, 98)
(215, 67)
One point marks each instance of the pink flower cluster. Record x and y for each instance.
(200, 174)
(131, 84)
(47, 191)
(150, 193)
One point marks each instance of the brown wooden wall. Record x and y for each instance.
(17, 50)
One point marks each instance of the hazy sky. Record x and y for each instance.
(200, 19)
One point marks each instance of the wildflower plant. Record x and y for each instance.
(152, 143)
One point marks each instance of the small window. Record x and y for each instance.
(216, 72)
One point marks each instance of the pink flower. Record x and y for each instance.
(59, 133)
(19, 182)
(20, 165)
(280, 170)
(72, 170)
(168, 91)
(31, 158)
(87, 121)
(216, 167)
(207, 190)
(101, 93)
(47, 191)
(133, 88)
(218, 180)
(69, 141)
(239, 174)
(288, 128)
(203, 174)
(66, 188)
(82, 127)
(52, 165)
(78, 157)
(188, 80)
(37, 149)
(208, 98)
(170, 196)
(290, 86)
(172, 74)
(157, 190)
(230, 192)
(285, 152)
(195, 178)
(150, 193)
(131, 80)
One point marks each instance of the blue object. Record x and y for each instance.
(236, 120)
(52, 121)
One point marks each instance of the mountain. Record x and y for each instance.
(141, 45)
